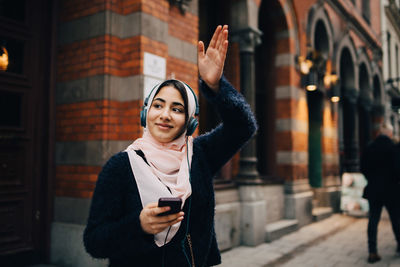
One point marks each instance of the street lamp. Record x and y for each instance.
(3, 58)
(315, 68)
(312, 80)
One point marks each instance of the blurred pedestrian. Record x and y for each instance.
(378, 164)
(124, 223)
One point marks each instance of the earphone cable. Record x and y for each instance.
(163, 252)
(189, 208)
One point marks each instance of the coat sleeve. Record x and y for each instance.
(111, 232)
(237, 127)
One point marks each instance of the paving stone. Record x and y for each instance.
(337, 241)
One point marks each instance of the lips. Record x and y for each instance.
(164, 126)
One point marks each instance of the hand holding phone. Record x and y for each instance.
(174, 202)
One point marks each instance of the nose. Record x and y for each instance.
(165, 114)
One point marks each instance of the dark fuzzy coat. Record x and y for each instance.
(113, 230)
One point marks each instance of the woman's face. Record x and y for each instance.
(166, 116)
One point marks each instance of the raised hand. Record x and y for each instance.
(211, 62)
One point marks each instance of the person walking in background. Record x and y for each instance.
(378, 164)
(126, 224)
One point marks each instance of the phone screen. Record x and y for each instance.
(174, 202)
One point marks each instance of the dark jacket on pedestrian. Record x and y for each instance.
(378, 166)
(397, 164)
(113, 230)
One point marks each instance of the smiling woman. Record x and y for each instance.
(166, 117)
(166, 162)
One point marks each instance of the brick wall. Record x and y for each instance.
(330, 141)
(100, 79)
(292, 147)
(291, 106)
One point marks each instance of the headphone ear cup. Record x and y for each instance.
(192, 125)
(143, 117)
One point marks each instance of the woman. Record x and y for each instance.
(124, 223)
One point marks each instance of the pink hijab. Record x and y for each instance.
(169, 162)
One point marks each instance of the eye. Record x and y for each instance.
(178, 110)
(157, 105)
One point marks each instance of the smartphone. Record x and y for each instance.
(174, 202)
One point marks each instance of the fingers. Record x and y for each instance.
(164, 225)
(222, 36)
(223, 49)
(200, 49)
(158, 210)
(151, 205)
(159, 227)
(152, 209)
(152, 223)
(171, 217)
(214, 39)
(157, 224)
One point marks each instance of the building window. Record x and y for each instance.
(366, 10)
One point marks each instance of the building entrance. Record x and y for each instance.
(24, 130)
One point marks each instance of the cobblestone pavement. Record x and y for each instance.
(338, 241)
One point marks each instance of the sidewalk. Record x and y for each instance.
(337, 241)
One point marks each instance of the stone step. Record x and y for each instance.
(280, 228)
(321, 213)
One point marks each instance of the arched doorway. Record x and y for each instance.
(347, 114)
(364, 108)
(26, 139)
(272, 22)
(315, 102)
(211, 14)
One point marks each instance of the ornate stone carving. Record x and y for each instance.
(181, 4)
(248, 38)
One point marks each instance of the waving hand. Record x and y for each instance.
(211, 61)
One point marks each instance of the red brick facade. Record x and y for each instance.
(123, 57)
(106, 119)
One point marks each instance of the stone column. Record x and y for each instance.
(248, 38)
(253, 205)
(350, 119)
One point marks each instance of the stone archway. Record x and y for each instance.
(315, 102)
(276, 88)
(348, 120)
(364, 101)
(275, 36)
(320, 36)
(364, 108)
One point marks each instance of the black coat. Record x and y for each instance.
(378, 164)
(113, 230)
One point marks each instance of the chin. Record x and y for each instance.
(164, 139)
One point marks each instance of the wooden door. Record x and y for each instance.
(24, 83)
